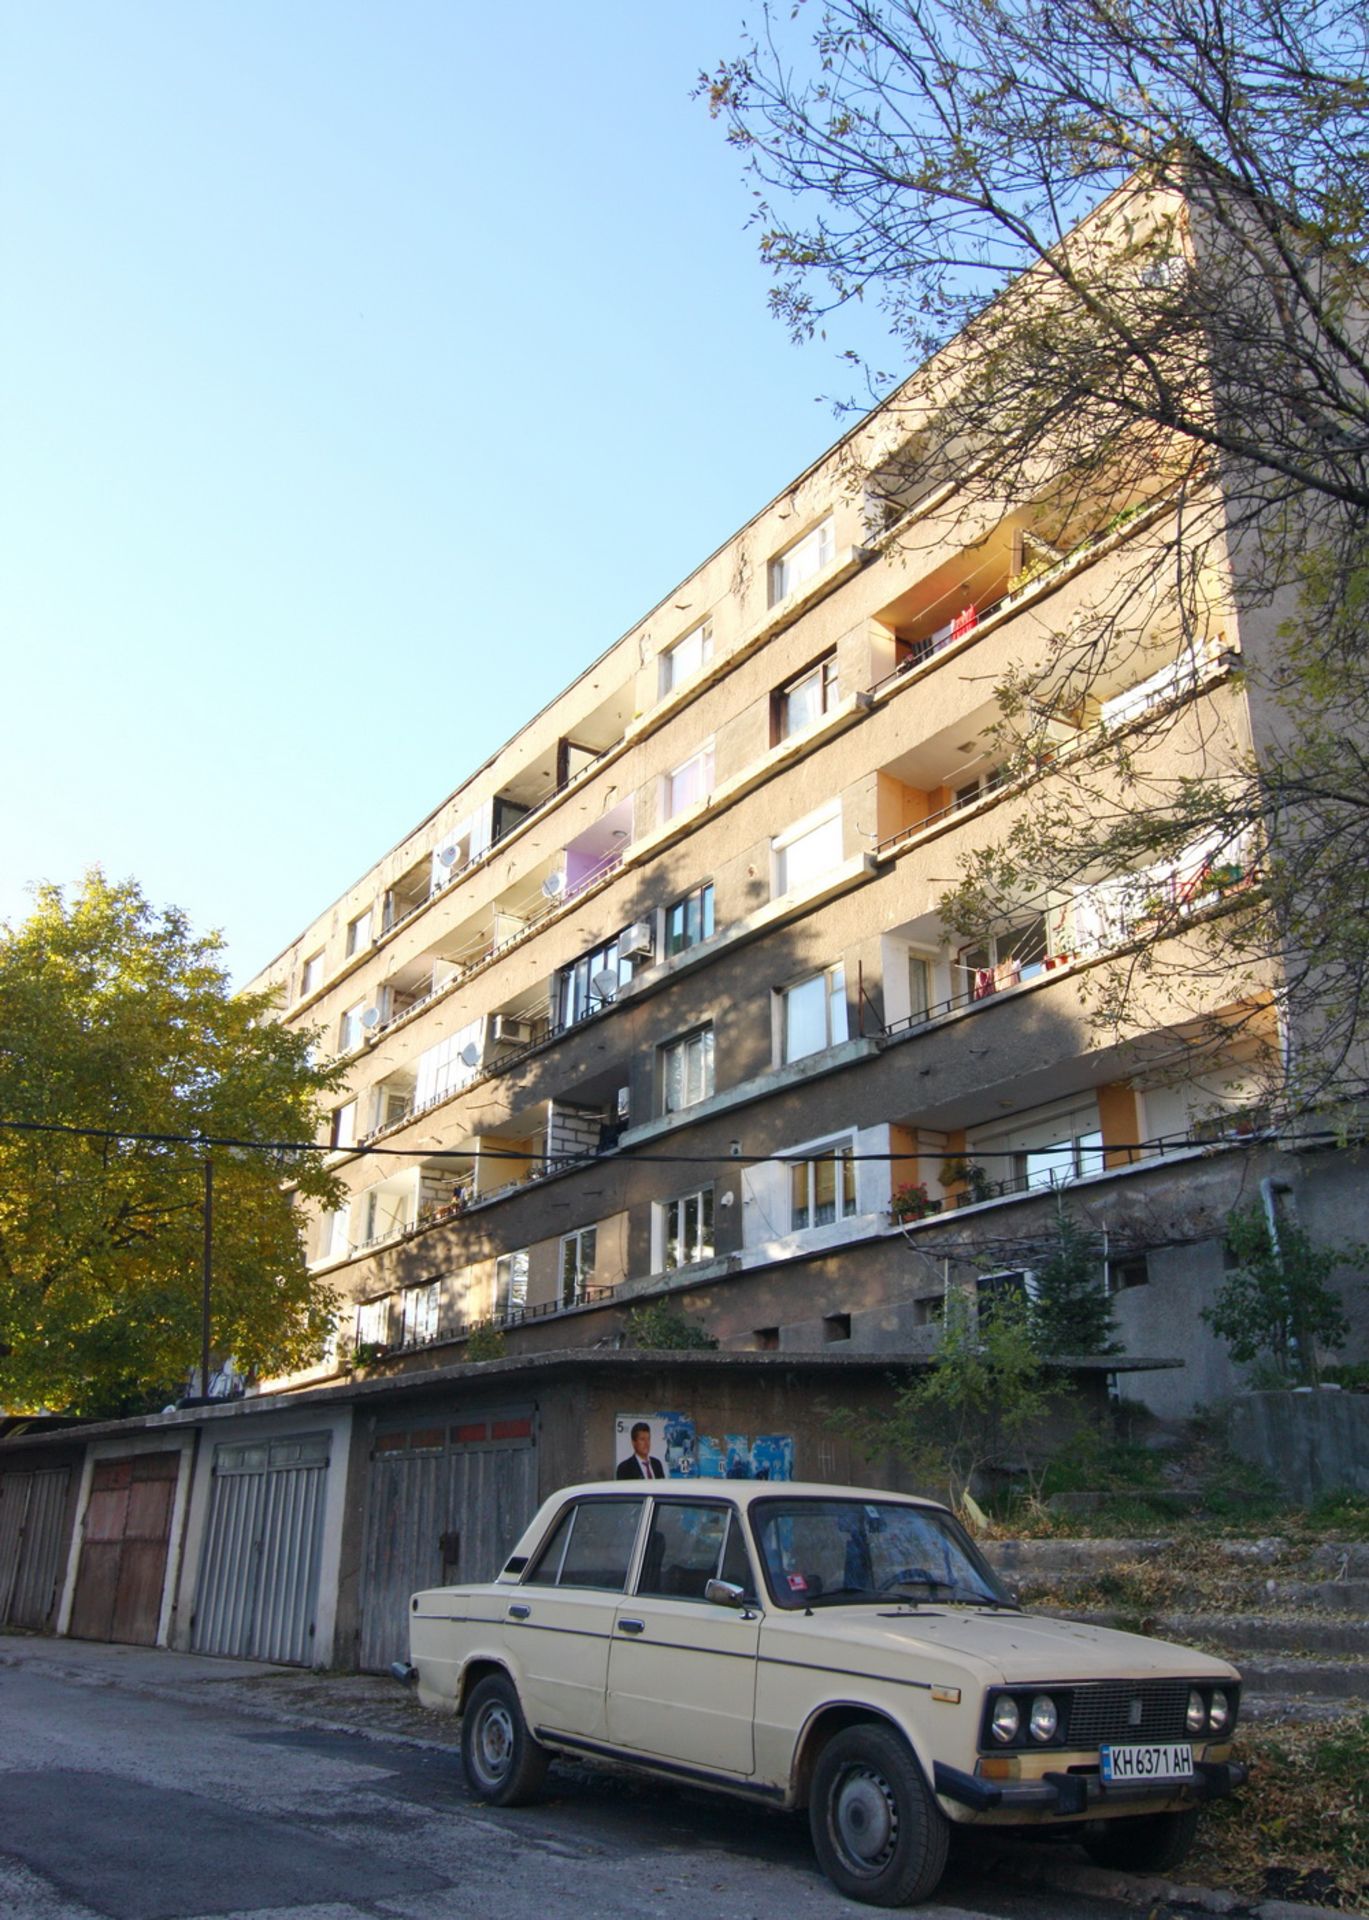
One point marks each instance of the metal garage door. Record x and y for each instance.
(258, 1587)
(122, 1569)
(32, 1511)
(444, 1502)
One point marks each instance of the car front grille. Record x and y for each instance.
(1110, 1711)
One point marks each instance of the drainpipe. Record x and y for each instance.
(1269, 1186)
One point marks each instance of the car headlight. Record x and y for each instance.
(1006, 1719)
(1219, 1713)
(1196, 1717)
(1044, 1719)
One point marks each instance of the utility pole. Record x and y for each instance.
(207, 1274)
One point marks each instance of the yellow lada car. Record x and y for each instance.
(833, 1648)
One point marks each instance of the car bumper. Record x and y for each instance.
(1066, 1794)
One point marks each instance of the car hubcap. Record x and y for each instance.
(496, 1741)
(866, 1819)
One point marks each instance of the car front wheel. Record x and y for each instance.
(877, 1832)
(1149, 1843)
(503, 1763)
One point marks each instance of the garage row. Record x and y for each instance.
(294, 1527)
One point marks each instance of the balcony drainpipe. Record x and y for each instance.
(1269, 1186)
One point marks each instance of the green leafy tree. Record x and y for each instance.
(980, 1403)
(1072, 1313)
(660, 1324)
(1276, 1308)
(118, 1018)
(1130, 241)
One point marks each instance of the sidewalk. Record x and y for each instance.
(377, 1707)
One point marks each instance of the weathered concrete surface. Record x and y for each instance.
(1310, 1444)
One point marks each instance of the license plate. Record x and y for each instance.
(1123, 1765)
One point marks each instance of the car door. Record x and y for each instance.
(560, 1619)
(682, 1669)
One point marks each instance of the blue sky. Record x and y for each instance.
(366, 371)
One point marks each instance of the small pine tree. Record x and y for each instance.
(1072, 1311)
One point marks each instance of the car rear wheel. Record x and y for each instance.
(1150, 1843)
(503, 1763)
(877, 1832)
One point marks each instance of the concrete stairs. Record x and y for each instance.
(1294, 1619)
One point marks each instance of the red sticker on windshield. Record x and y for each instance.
(797, 1583)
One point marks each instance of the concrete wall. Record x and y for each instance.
(1309, 1443)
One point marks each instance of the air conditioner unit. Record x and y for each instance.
(624, 1103)
(639, 942)
(512, 1029)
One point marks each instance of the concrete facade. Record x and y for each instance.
(659, 1002)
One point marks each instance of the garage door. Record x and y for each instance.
(32, 1536)
(258, 1589)
(444, 1502)
(122, 1568)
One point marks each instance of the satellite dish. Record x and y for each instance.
(370, 1018)
(470, 1054)
(554, 885)
(605, 983)
(447, 856)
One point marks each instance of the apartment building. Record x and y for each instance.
(659, 1002)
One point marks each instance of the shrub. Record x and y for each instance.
(659, 1324)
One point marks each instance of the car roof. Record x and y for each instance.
(744, 1492)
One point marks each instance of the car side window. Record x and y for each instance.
(684, 1550)
(590, 1547)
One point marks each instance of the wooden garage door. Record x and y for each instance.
(122, 1568)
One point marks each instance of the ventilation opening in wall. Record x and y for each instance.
(1132, 1272)
(767, 1339)
(836, 1326)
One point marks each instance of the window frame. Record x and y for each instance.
(350, 1032)
(572, 1286)
(673, 676)
(358, 935)
(511, 1284)
(702, 757)
(689, 1252)
(679, 1048)
(824, 669)
(839, 1149)
(574, 988)
(311, 974)
(337, 1126)
(794, 565)
(832, 980)
(420, 1313)
(783, 844)
(700, 897)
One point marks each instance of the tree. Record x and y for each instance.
(118, 1018)
(1275, 1308)
(663, 1326)
(1072, 1313)
(1131, 236)
(979, 1404)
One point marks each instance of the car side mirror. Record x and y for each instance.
(724, 1593)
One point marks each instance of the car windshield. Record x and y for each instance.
(819, 1553)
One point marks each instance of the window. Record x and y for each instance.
(806, 698)
(332, 1239)
(449, 1065)
(511, 1286)
(798, 563)
(350, 1029)
(919, 987)
(687, 1547)
(343, 1131)
(690, 782)
(815, 1014)
(373, 1323)
(807, 851)
(687, 1230)
(687, 1070)
(591, 1546)
(419, 1314)
(359, 933)
(680, 662)
(311, 975)
(1132, 1271)
(577, 1264)
(690, 920)
(1004, 960)
(576, 993)
(822, 1188)
(982, 783)
(1062, 1160)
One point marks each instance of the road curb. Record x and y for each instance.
(1042, 1866)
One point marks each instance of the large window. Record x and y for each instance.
(822, 1187)
(680, 662)
(814, 1014)
(343, 1131)
(690, 782)
(690, 920)
(687, 1230)
(350, 1029)
(687, 1070)
(808, 851)
(806, 698)
(373, 1322)
(450, 1064)
(419, 1314)
(359, 933)
(808, 555)
(576, 993)
(311, 975)
(511, 1286)
(333, 1241)
(578, 1251)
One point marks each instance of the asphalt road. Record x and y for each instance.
(118, 1803)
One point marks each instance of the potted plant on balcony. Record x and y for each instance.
(962, 1172)
(911, 1202)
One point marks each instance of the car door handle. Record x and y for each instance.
(632, 1626)
(519, 1612)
